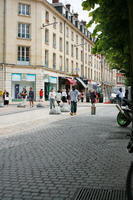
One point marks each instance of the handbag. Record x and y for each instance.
(6, 98)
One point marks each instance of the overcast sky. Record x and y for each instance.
(76, 7)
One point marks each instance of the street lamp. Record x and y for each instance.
(45, 25)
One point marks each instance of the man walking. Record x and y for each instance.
(52, 96)
(74, 98)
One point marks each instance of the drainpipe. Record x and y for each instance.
(4, 41)
(64, 45)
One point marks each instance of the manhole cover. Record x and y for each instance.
(100, 194)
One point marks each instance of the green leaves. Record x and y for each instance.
(111, 31)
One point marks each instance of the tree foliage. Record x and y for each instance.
(111, 31)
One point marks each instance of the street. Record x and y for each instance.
(48, 157)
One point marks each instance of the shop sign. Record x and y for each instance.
(52, 79)
(16, 77)
(31, 77)
(24, 77)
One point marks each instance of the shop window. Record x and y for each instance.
(24, 9)
(24, 31)
(23, 54)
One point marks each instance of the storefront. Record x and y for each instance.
(49, 83)
(20, 81)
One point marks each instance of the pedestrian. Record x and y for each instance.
(6, 97)
(92, 96)
(119, 96)
(31, 97)
(24, 95)
(64, 96)
(82, 96)
(58, 97)
(74, 93)
(41, 94)
(87, 95)
(52, 96)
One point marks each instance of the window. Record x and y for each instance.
(72, 35)
(47, 17)
(86, 46)
(54, 21)
(61, 29)
(67, 65)
(82, 56)
(60, 63)
(24, 31)
(24, 9)
(54, 61)
(67, 32)
(88, 73)
(89, 48)
(46, 36)
(60, 44)
(82, 71)
(77, 53)
(86, 58)
(67, 48)
(54, 40)
(72, 53)
(46, 58)
(77, 69)
(85, 72)
(23, 54)
(76, 39)
(72, 69)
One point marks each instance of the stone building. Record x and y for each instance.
(45, 46)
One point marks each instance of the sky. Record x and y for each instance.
(76, 7)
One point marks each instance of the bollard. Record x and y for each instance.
(93, 109)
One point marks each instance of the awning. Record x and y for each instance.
(80, 80)
(71, 81)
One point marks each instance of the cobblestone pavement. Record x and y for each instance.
(51, 162)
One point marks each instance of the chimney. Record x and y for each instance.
(68, 6)
(55, 1)
(76, 15)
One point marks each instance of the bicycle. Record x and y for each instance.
(129, 181)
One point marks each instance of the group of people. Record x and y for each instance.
(30, 96)
(70, 97)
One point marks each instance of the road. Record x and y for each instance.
(48, 157)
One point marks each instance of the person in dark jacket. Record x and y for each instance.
(31, 97)
(92, 96)
(6, 97)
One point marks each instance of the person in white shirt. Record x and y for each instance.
(119, 96)
(64, 96)
(58, 97)
(52, 96)
(74, 93)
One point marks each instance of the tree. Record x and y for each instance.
(114, 33)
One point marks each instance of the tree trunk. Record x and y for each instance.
(130, 8)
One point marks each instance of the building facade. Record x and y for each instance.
(45, 46)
